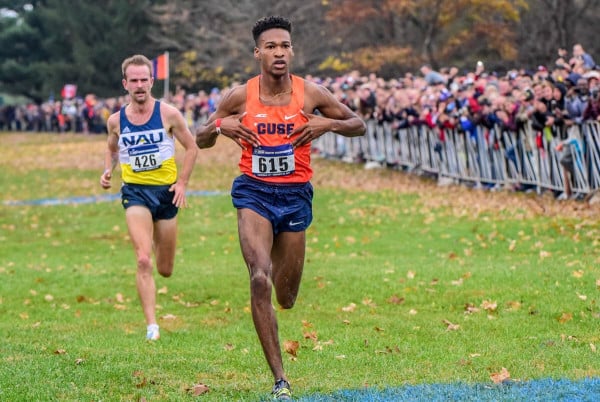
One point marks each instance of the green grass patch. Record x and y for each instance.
(394, 292)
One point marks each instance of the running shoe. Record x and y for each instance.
(152, 333)
(282, 390)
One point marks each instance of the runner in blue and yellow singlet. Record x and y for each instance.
(141, 138)
(272, 118)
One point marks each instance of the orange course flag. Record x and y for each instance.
(161, 66)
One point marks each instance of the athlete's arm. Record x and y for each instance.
(111, 155)
(177, 126)
(231, 112)
(334, 116)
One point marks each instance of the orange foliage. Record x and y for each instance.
(446, 27)
(373, 58)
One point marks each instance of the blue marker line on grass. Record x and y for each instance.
(543, 390)
(92, 199)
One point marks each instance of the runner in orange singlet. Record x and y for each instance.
(272, 118)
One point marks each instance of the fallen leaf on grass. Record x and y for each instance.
(501, 377)
(198, 389)
(291, 347)
(394, 299)
(319, 345)
(545, 254)
(450, 326)
(457, 282)
(141, 379)
(565, 317)
(388, 350)
(60, 352)
(470, 308)
(349, 308)
(369, 302)
(490, 306)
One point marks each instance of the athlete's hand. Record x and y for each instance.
(233, 128)
(179, 199)
(105, 179)
(315, 127)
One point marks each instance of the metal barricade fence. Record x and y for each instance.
(578, 160)
(490, 157)
(591, 139)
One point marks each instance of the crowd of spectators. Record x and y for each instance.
(549, 97)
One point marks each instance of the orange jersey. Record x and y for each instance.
(275, 160)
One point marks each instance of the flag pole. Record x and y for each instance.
(166, 84)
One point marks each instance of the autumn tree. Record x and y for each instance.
(551, 24)
(455, 32)
(47, 43)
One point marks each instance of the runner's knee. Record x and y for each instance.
(165, 272)
(260, 282)
(144, 263)
(286, 300)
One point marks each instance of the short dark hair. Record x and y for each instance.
(271, 22)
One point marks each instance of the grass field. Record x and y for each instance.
(405, 285)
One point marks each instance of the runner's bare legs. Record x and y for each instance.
(270, 261)
(287, 258)
(142, 231)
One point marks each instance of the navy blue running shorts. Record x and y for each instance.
(287, 206)
(158, 199)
